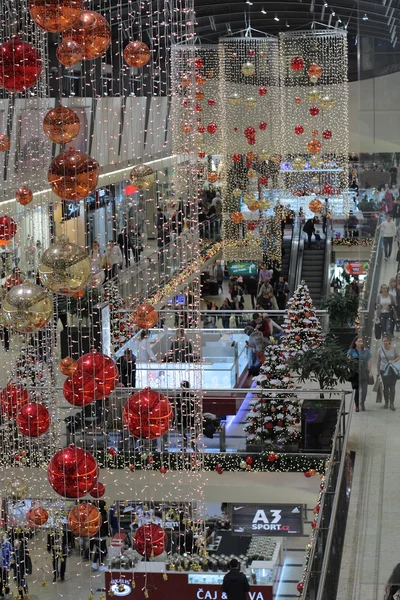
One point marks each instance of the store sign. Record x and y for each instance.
(244, 268)
(267, 519)
(120, 587)
(207, 594)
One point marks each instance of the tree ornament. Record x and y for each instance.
(68, 366)
(237, 193)
(251, 226)
(314, 132)
(55, 15)
(27, 307)
(297, 100)
(201, 129)
(186, 127)
(23, 195)
(198, 63)
(237, 218)
(263, 180)
(316, 162)
(98, 491)
(142, 176)
(249, 132)
(73, 175)
(262, 91)
(326, 102)
(299, 163)
(314, 96)
(150, 540)
(8, 229)
(212, 128)
(12, 398)
(33, 419)
(299, 130)
(262, 126)
(314, 70)
(145, 316)
(95, 378)
(17, 489)
(250, 102)
(316, 509)
(327, 134)
(37, 515)
(236, 157)
(234, 99)
(212, 177)
(248, 69)
(314, 111)
(200, 79)
(252, 174)
(300, 587)
(327, 190)
(136, 54)
(84, 520)
(297, 64)
(307, 474)
(69, 53)
(249, 460)
(199, 95)
(315, 206)
(211, 102)
(219, 469)
(92, 32)
(148, 414)
(5, 143)
(314, 146)
(72, 472)
(61, 125)
(20, 65)
(64, 267)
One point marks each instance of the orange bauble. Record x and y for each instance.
(37, 515)
(315, 206)
(79, 294)
(186, 127)
(250, 156)
(212, 177)
(92, 32)
(23, 195)
(200, 79)
(145, 316)
(61, 125)
(237, 218)
(73, 175)
(68, 366)
(69, 53)
(84, 520)
(186, 81)
(297, 100)
(314, 146)
(200, 95)
(55, 15)
(5, 142)
(315, 70)
(137, 54)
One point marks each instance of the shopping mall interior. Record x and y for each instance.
(199, 299)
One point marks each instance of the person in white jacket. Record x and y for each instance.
(112, 259)
(388, 229)
(144, 351)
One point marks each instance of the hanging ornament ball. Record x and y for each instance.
(79, 389)
(314, 132)
(136, 54)
(27, 307)
(186, 81)
(23, 195)
(98, 491)
(298, 100)
(20, 65)
(199, 95)
(92, 32)
(201, 154)
(211, 102)
(314, 111)
(148, 414)
(299, 130)
(262, 126)
(251, 173)
(102, 370)
(314, 70)
(201, 129)
(234, 55)
(145, 316)
(200, 79)
(84, 520)
(236, 218)
(96, 277)
(299, 163)
(5, 143)
(313, 79)
(55, 15)
(69, 53)
(251, 226)
(212, 177)
(327, 190)
(326, 102)
(212, 127)
(316, 162)
(297, 64)
(150, 540)
(314, 146)
(236, 157)
(234, 99)
(250, 102)
(68, 366)
(64, 267)
(327, 134)
(37, 515)
(73, 175)
(236, 193)
(12, 398)
(72, 472)
(17, 489)
(186, 127)
(255, 206)
(8, 229)
(248, 69)
(143, 177)
(262, 91)
(249, 198)
(315, 206)
(249, 132)
(61, 125)
(263, 180)
(198, 62)
(250, 156)
(33, 419)
(314, 96)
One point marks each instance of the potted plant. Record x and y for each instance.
(342, 307)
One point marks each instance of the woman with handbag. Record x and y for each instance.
(363, 374)
(387, 355)
(386, 310)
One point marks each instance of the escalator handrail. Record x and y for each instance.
(325, 290)
(299, 261)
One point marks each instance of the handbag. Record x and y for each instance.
(371, 379)
(378, 383)
(378, 331)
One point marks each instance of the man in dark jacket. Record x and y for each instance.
(235, 584)
(309, 229)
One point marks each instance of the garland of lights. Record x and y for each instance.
(353, 241)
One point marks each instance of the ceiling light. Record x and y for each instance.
(249, 3)
(287, 24)
(264, 12)
(326, 4)
(333, 13)
(365, 17)
(276, 18)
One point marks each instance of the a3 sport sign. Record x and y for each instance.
(267, 519)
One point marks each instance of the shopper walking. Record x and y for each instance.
(127, 368)
(145, 353)
(57, 546)
(5, 561)
(392, 590)
(95, 255)
(309, 229)
(225, 306)
(98, 543)
(124, 245)
(387, 356)
(386, 307)
(185, 415)
(181, 350)
(363, 373)
(22, 566)
(388, 229)
(235, 584)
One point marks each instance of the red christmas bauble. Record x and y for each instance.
(327, 134)
(249, 132)
(263, 180)
(299, 130)
(12, 398)
(212, 128)
(272, 457)
(145, 316)
(268, 426)
(262, 90)
(98, 491)
(314, 524)
(327, 190)
(262, 126)
(236, 157)
(79, 389)
(198, 63)
(251, 141)
(72, 472)
(307, 474)
(150, 540)
(201, 154)
(102, 370)
(8, 229)
(249, 460)
(163, 470)
(199, 108)
(20, 65)
(280, 423)
(314, 111)
(73, 175)
(251, 226)
(55, 15)
(250, 52)
(92, 32)
(148, 414)
(201, 129)
(211, 102)
(37, 515)
(68, 53)
(300, 587)
(137, 54)
(297, 63)
(23, 195)
(33, 419)
(316, 509)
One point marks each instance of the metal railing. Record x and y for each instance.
(370, 291)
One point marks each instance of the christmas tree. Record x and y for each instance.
(274, 416)
(121, 328)
(301, 327)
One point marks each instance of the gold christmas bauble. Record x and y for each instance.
(234, 99)
(299, 163)
(27, 307)
(264, 156)
(248, 69)
(326, 102)
(249, 198)
(64, 268)
(314, 96)
(250, 102)
(142, 177)
(252, 173)
(315, 162)
(17, 489)
(237, 192)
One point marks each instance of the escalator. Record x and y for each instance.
(313, 272)
(286, 255)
